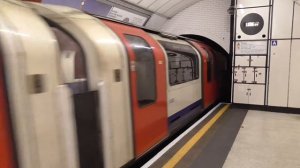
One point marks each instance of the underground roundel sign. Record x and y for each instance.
(252, 24)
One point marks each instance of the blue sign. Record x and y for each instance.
(274, 42)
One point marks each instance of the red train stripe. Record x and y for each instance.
(6, 149)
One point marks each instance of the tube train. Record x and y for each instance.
(81, 91)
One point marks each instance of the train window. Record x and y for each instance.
(145, 70)
(183, 62)
(72, 62)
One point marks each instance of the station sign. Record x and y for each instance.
(126, 16)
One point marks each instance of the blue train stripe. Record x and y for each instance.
(185, 111)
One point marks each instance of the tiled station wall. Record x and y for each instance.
(156, 22)
(266, 67)
(207, 18)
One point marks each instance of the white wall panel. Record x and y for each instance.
(242, 60)
(251, 3)
(296, 29)
(294, 91)
(260, 75)
(258, 61)
(249, 75)
(238, 74)
(241, 93)
(279, 73)
(257, 94)
(249, 94)
(282, 19)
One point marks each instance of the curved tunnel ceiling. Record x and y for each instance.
(167, 8)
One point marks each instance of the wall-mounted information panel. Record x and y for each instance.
(251, 47)
(252, 23)
(267, 53)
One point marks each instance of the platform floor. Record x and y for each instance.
(235, 138)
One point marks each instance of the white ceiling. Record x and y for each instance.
(167, 8)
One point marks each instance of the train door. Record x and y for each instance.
(85, 139)
(6, 146)
(148, 86)
(210, 88)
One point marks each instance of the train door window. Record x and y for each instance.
(183, 63)
(72, 62)
(145, 70)
(210, 66)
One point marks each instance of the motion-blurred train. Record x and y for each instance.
(81, 91)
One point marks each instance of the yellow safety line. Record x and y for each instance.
(188, 146)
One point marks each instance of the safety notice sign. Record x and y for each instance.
(251, 47)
